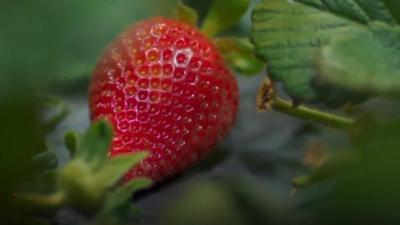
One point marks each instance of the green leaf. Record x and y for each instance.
(72, 141)
(288, 34)
(361, 11)
(377, 10)
(114, 168)
(117, 205)
(239, 54)
(95, 143)
(186, 14)
(124, 193)
(366, 61)
(45, 161)
(223, 14)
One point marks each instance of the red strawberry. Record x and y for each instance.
(166, 89)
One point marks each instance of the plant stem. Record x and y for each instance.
(267, 99)
(312, 115)
(51, 200)
(301, 181)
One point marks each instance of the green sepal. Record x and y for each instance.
(89, 177)
(186, 14)
(72, 141)
(76, 183)
(239, 54)
(223, 14)
(114, 168)
(117, 205)
(95, 143)
(124, 193)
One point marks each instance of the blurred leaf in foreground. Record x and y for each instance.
(60, 41)
(21, 140)
(361, 188)
(236, 201)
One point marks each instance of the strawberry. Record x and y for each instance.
(166, 89)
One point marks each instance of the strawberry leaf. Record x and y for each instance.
(95, 143)
(114, 168)
(394, 7)
(367, 61)
(223, 14)
(288, 34)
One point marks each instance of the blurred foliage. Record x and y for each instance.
(60, 41)
(22, 139)
(353, 186)
(227, 201)
(358, 186)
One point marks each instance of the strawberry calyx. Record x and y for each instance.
(89, 181)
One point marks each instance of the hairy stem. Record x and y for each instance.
(51, 200)
(267, 99)
(312, 115)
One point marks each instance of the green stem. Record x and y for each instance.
(51, 200)
(301, 181)
(312, 115)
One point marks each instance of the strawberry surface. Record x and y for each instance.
(165, 88)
